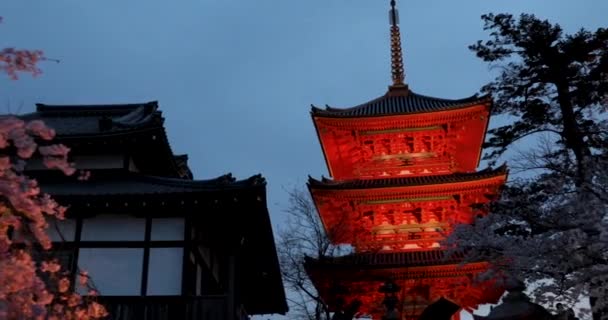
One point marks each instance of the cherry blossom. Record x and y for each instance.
(31, 286)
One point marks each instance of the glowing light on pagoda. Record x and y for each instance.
(403, 170)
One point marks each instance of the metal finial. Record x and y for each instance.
(394, 14)
(397, 71)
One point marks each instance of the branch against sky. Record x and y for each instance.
(304, 236)
(550, 228)
(14, 61)
(32, 288)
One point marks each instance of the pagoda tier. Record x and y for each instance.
(413, 213)
(403, 169)
(402, 134)
(425, 278)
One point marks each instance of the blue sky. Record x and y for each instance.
(235, 79)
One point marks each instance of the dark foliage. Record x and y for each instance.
(549, 81)
(553, 87)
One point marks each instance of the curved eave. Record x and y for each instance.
(92, 108)
(490, 104)
(368, 267)
(131, 184)
(327, 163)
(391, 105)
(397, 182)
(388, 260)
(97, 120)
(77, 123)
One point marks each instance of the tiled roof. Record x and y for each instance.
(137, 184)
(83, 120)
(95, 124)
(389, 259)
(404, 102)
(325, 183)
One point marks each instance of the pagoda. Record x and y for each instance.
(403, 173)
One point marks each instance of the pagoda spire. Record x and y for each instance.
(397, 69)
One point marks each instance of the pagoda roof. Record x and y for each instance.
(326, 183)
(129, 183)
(389, 259)
(87, 120)
(400, 102)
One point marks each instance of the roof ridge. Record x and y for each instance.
(92, 109)
(224, 179)
(391, 104)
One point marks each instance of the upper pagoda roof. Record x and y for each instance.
(87, 120)
(400, 102)
(326, 183)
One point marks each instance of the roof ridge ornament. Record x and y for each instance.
(397, 70)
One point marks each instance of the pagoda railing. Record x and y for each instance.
(165, 307)
(424, 239)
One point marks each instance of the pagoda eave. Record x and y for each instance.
(443, 278)
(418, 212)
(417, 182)
(408, 193)
(352, 147)
(400, 101)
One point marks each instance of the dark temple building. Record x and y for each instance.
(157, 243)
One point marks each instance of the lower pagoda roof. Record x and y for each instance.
(326, 183)
(439, 273)
(400, 259)
(400, 102)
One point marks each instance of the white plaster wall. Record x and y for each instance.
(109, 227)
(167, 229)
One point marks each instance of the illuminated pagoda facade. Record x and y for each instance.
(156, 243)
(403, 173)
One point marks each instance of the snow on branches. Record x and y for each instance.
(551, 225)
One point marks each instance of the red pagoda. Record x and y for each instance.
(403, 170)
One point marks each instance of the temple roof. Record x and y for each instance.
(326, 183)
(400, 103)
(389, 259)
(128, 183)
(106, 126)
(214, 205)
(83, 120)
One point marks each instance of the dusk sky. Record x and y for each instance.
(235, 79)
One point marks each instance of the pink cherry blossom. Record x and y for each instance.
(32, 289)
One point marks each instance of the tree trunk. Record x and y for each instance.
(601, 314)
(572, 134)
